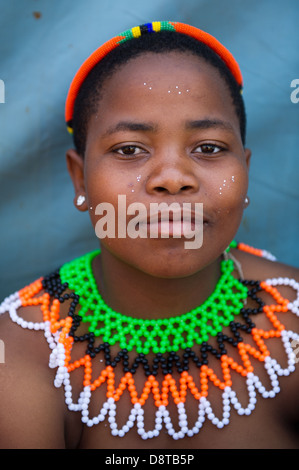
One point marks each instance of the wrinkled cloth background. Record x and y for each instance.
(42, 44)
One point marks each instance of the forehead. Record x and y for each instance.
(151, 84)
(167, 66)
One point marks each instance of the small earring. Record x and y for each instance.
(80, 200)
(246, 201)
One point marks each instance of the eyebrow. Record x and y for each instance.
(131, 126)
(209, 124)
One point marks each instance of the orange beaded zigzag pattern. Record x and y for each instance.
(169, 386)
(50, 313)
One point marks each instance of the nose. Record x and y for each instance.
(172, 174)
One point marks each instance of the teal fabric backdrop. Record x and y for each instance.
(43, 42)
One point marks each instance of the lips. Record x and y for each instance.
(181, 221)
(175, 229)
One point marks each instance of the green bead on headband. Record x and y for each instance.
(137, 32)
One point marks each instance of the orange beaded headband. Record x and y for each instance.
(136, 32)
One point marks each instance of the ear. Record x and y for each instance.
(75, 166)
(247, 153)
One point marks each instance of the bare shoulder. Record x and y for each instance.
(31, 412)
(259, 268)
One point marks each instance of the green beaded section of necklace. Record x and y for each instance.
(162, 335)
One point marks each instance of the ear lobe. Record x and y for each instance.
(75, 166)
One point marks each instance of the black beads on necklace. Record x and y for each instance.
(166, 363)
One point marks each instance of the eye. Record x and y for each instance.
(208, 149)
(128, 150)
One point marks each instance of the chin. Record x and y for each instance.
(173, 264)
(167, 259)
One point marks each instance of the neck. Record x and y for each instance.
(131, 292)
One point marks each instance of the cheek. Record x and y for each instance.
(105, 189)
(232, 187)
(228, 190)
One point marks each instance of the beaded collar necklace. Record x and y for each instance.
(145, 335)
(167, 370)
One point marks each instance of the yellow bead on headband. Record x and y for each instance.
(136, 32)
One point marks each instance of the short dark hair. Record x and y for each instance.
(87, 101)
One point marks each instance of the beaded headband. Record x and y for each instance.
(137, 32)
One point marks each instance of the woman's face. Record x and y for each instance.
(166, 131)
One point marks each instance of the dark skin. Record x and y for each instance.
(183, 150)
